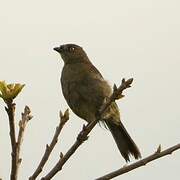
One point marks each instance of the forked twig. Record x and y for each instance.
(83, 135)
(16, 146)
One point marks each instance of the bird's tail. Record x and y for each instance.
(123, 140)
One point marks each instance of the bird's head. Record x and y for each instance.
(71, 53)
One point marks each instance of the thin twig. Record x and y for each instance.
(15, 162)
(83, 135)
(26, 116)
(63, 119)
(10, 109)
(158, 154)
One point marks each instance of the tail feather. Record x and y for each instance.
(123, 140)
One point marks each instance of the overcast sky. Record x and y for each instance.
(139, 39)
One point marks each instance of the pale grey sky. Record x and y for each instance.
(139, 39)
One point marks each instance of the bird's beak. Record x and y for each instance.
(57, 49)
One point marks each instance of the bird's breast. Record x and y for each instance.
(84, 90)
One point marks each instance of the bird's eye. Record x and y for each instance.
(71, 49)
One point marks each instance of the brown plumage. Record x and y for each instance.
(85, 90)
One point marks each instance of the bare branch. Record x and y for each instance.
(26, 116)
(63, 119)
(158, 154)
(83, 135)
(15, 162)
(10, 109)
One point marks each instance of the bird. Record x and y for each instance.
(85, 91)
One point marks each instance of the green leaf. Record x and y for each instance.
(10, 91)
